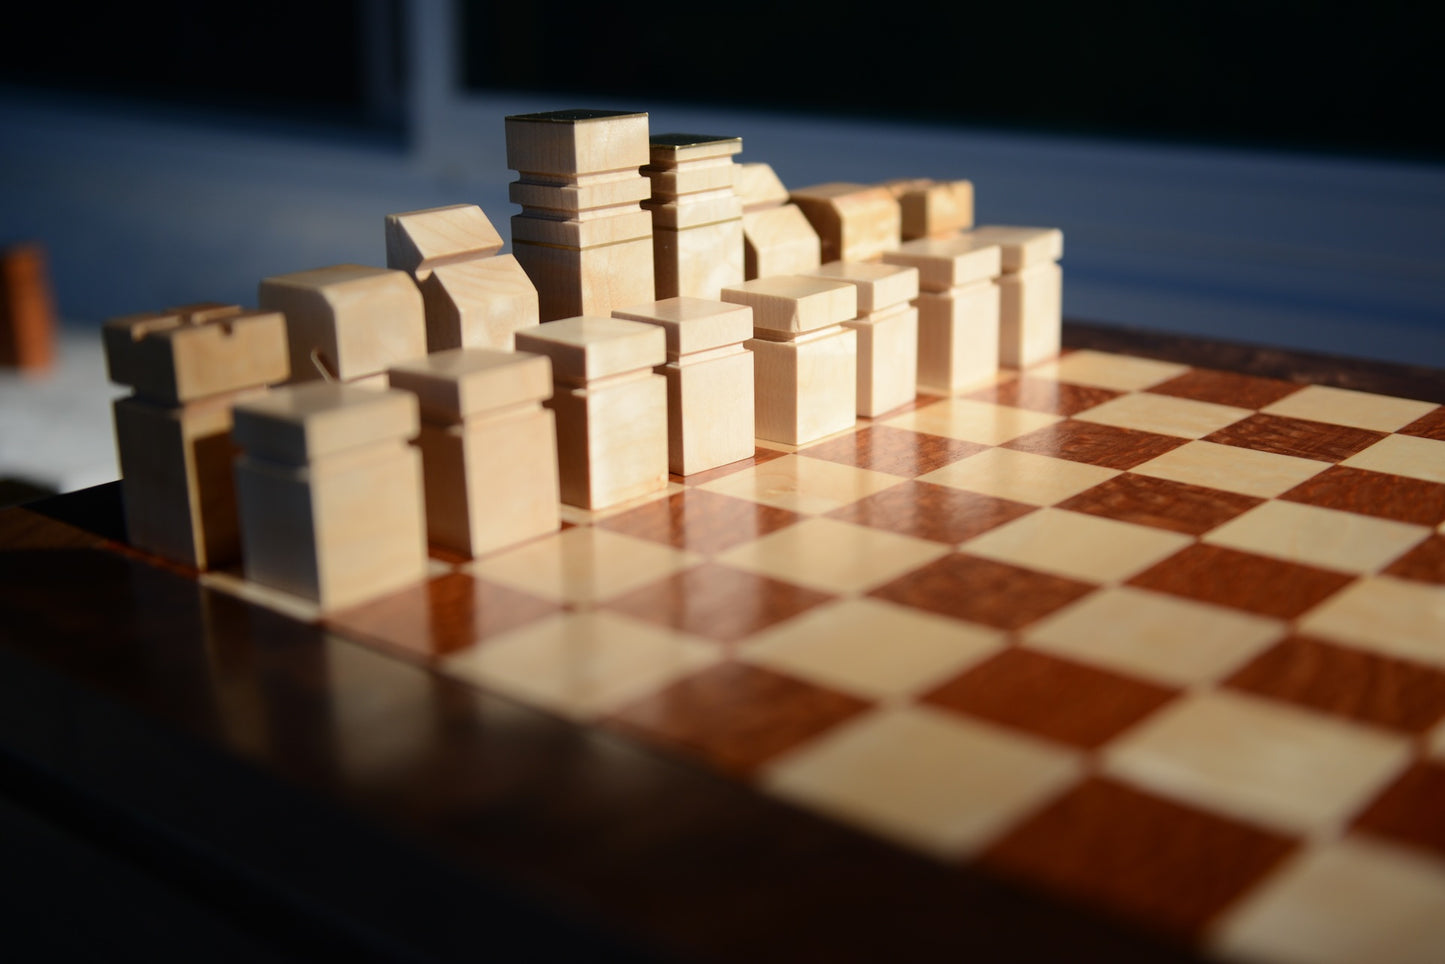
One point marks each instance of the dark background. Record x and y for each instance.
(1272, 73)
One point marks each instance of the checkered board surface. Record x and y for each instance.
(1166, 641)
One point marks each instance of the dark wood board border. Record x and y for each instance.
(1308, 368)
(196, 736)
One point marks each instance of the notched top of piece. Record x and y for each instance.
(676, 148)
(1022, 247)
(879, 285)
(169, 359)
(297, 424)
(793, 304)
(417, 241)
(854, 222)
(945, 263)
(694, 324)
(572, 142)
(589, 347)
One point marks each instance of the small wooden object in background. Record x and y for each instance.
(330, 493)
(473, 297)
(697, 219)
(933, 209)
(958, 314)
(805, 363)
(611, 408)
(777, 238)
(27, 309)
(582, 237)
(489, 448)
(887, 327)
(188, 367)
(1030, 292)
(709, 380)
(855, 222)
(348, 322)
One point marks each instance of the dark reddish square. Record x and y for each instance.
(1242, 580)
(1347, 682)
(1050, 697)
(1227, 388)
(1168, 866)
(441, 616)
(893, 450)
(1045, 395)
(1296, 436)
(737, 717)
(983, 591)
(934, 512)
(1411, 809)
(1424, 563)
(1161, 503)
(700, 521)
(718, 602)
(1114, 448)
(759, 456)
(1431, 425)
(1373, 493)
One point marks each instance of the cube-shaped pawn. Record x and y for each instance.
(330, 493)
(196, 351)
(418, 241)
(933, 209)
(805, 363)
(1031, 292)
(489, 448)
(958, 310)
(709, 376)
(611, 409)
(887, 327)
(855, 222)
(348, 321)
(478, 304)
(177, 486)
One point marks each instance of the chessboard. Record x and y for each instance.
(1126, 656)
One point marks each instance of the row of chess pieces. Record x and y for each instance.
(662, 308)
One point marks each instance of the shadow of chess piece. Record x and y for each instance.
(27, 309)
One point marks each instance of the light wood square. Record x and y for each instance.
(1232, 469)
(1316, 536)
(1164, 414)
(583, 565)
(1020, 476)
(1351, 900)
(1259, 760)
(971, 421)
(1077, 546)
(1163, 638)
(1341, 406)
(1417, 458)
(937, 782)
(801, 484)
(874, 649)
(582, 664)
(1102, 370)
(833, 556)
(1393, 616)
